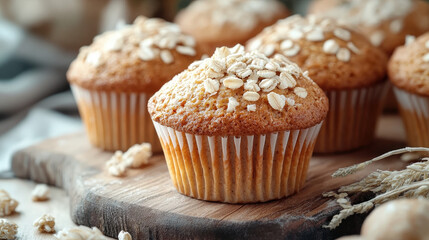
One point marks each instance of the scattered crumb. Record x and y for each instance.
(80, 233)
(45, 224)
(8, 229)
(124, 236)
(40, 193)
(7, 204)
(135, 157)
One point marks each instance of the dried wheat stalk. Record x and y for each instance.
(412, 182)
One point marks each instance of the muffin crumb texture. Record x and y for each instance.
(409, 66)
(385, 22)
(8, 229)
(7, 204)
(335, 56)
(243, 14)
(237, 92)
(140, 56)
(45, 224)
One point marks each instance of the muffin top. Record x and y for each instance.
(409, 66)
(335, 57)
(385, 22)
(229, 21)
(239, 93)
(139, 57)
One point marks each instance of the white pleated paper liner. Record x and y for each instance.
(351, 119)
(114, 120)
(414, 111)
(241, 169)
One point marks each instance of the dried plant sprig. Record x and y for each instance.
(412, 182)
(342, 172)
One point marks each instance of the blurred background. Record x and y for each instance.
(38, 40)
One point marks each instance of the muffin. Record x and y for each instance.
(344, 64)
(217, 23)
(385, 22)
(409, 73)
(114, 77)
(239, 127)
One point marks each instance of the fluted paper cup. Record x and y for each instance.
(351, 119)
(115, 120)
(238, 169)
(414, 111)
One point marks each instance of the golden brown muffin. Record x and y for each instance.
(244, 122)
(216, 23)
(384, 22)
(344, 64)
(409, 72)
(113, 78)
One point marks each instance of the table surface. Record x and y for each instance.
(58, 205)
(28, 211)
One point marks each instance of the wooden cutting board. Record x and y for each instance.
(146, 204)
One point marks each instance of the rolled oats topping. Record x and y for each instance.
(287, 35)
(7, 204)
(331, 46)
(251, 96)
(251, 77)
(276, 101)
(156, 38)
(245, 14)
(370, 13)
(342, 34)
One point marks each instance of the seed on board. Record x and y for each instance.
(276, 101)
